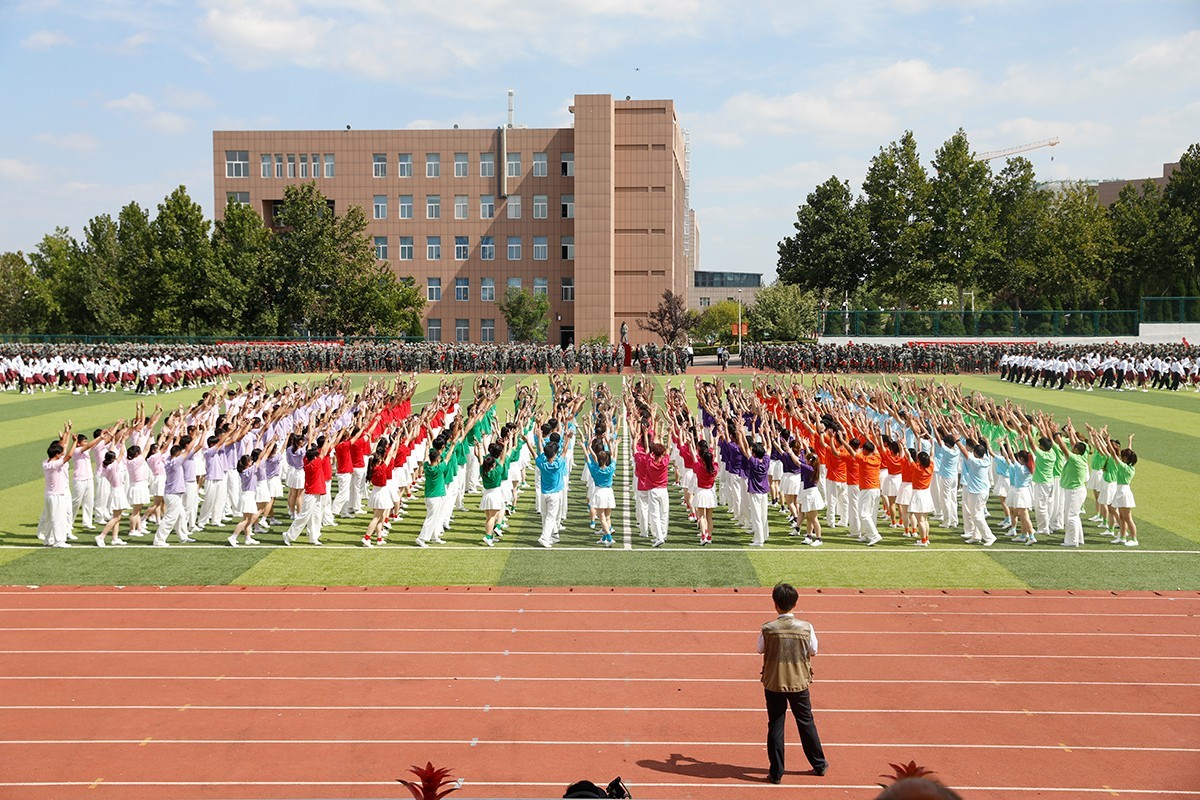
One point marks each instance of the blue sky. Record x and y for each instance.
(107, 102)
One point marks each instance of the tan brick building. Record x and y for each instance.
(1107, 191)
(592, 215)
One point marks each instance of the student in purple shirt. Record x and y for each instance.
(758, 483)
(174, 490)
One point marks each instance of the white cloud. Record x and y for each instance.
(80, 186)
(133, 44)
(151, 117)
(44, 40)
(15, 170)
(69, 141)
(177, 97)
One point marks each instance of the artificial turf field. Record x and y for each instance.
(1166, 485)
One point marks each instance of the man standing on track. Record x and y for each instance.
(787, 645)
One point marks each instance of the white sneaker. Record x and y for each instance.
(232, 540)
(421, 543)
(120, 543)
(874, 540)
(989, 541)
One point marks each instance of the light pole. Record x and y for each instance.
(739, 326)
(972, 301)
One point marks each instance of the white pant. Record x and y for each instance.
(838, 500)
(868, 509)
(853, 517)
(975, 517)
(343, 500)
(360, 489)
(83, 498)
(191, 504)
(1041, 506)
(641, 501)
(101, 494)
(1072, 508)
(756, 504)
(658, 509)
(431, 528)
(55, 523)
(214, 503)
(172, 520)
(309, 519)
(233, 496)
(948, 505)
(551, 506)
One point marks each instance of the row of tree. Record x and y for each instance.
(178, 274)
(914, 237)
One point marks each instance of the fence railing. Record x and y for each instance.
(1170, 309)
(948, 324)
(54, 338)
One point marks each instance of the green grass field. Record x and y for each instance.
(1168, 559)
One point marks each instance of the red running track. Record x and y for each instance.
(310, 693)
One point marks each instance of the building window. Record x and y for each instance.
(541, 286)
(237, 163)
(487, 290)
(541, 248)
(316, 165)
(433, 330)
(514, 283)
(487, 206)
(705, 302)
(329, 165)
(462, 289)
(379, 165)
(433, 206)
(238, 198)
(462, 330)
(433, 165)
(433, 289)
(568, 290)
(487, 330)
(514, 248)
(404, 165)
(568, 165)
(514, 165)
(487, 165)
(381, 206)
(266, 165)
(304, 165)
(487, 248)
(568, 248)
(462, 248)
(279, 165)
(540, 170)
(460, 206)
(406, 206)
(541, 206)
(514, 206)
(460, 165)
(381, 248)
(568, 206)
(406, 248)
(291, 165)
(433, 248)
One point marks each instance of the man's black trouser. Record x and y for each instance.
(777, 705)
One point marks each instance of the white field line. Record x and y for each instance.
(476, 610)
(767, 551)
(627, 453)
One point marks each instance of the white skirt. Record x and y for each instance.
(775, 470)
(275, 486)
(262, 492)
(812, 500)
(118, 498)
(493, 499)
(906, 493)
(604, 498)
(157, 484)
(247, 503)
(1122, 496)
(890, 485)
(381, 497)
(1107, 492)
(690, 483)
(922, 501)
(791, 484)
(139, 493)
(1019, 498)
(295, 479)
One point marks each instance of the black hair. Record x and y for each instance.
(785, 596)
(706, 456)
(133, 452)
(55, 449)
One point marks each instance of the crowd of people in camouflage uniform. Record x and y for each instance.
(389, 357)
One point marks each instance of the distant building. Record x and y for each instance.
(1107, 191)
(709, 288)
(594, 216)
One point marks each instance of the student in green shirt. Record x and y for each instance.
(1073, 483)
(1122, 463)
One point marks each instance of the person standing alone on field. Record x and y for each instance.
(787, 645)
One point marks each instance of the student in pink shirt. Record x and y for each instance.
(651, 457)
(56, 516)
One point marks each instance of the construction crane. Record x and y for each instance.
(1012, 151)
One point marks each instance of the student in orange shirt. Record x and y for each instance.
(868, 462)
(922, 498)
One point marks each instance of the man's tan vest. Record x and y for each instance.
(786, 666)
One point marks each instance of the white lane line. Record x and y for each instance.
(476, 608)
(560, 743)
(622, 631)
(618, 709)
(607, 679)
(724, 786)
(815, 552)
(749, 593)
(586, 653)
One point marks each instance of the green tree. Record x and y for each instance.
(896, 203)
(964, 248)
(527, 314)
(1078, 266)
(56, 301)
(670, 320)
(782, 312)
(189, 298)
(1022, 230)
(104, 292)
(1152, 255)
(828, 252)
(1182, 196)
(16, 285)
(716, 322)
(136, 266)
(248, 273)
